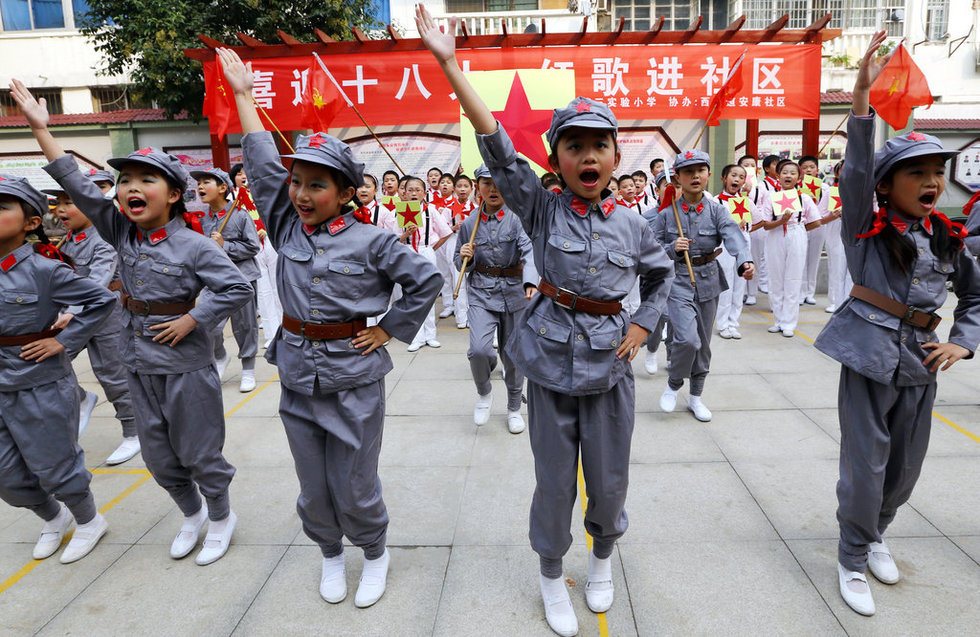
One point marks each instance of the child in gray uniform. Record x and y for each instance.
(501, 279)
(40, 460)
(165, 341)
(574, 342)
(334, 273)
(900, 252)
(95, 259)
(229, 224)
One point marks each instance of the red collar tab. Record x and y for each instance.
(337, 225)
(221, 213)
(316, 141)
(499, 216)
(308, 229)
(916, 137)
(579, 206)
(78, 237)
(158, 235)
(583, 107)
(9, 262)
(607, 206)
(144, 151)
(900, 224)
(687, 207)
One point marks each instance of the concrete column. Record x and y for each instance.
(721, 148)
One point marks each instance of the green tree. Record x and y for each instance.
(146, 38)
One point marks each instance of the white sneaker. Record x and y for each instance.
(125, 451)
(217, 541)
(221, 364)
(773, 329)
(333, 580)
(414, 347)
(701, 412)
(599, 586)
(433, 343)
(53, 533)
(750, 300)
(558, 606)
(515, 422)
(374, 578)
(481, 413)
(764, 290)
(189, 534)
(810, 300)
(788, 333)
(882, 564)
(830, 309)
(650, 362)
(855, 591)
(446, 313)
(267, 344)
(84, 539)
(462, 326)
(85, 411)
(735, 333)
(668, 400)
(248, 381)
(496, 344)
(725, 333)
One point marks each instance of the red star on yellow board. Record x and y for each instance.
(786, 202)
(739, 207)
(524, 125)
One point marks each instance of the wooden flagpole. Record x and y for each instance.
(466, 260)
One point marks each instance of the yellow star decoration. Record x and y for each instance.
(896, 86)
(318, 101)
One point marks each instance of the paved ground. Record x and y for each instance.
(732, 522)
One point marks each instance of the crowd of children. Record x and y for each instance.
(564, 277)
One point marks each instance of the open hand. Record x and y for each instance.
(634, 340)
(441, 45)
(749, 271)
(238, 74)
(62, 321)
(947, 353)
(41, 349)
(174, 331)
(372, 338)
(35, 111)
(871, 66)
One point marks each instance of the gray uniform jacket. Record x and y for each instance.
(333, 273)
(707, 230)
(241, 239)
(973, 227)
(500, 241)
(595, 250)
(33, 289)
(871, 341)
(169, 265)
(95, 259)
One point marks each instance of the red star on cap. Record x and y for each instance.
(144, 151)
(583, 107)
(316, 141)
(525, 125)
(92, 171)
(916, 137)
(688, 155)
(2, 178)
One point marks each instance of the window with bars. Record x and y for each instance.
(641, 14)
(847, 14)
(480, 6)
(106, 99)
(29, 15)
(936, 20)
(9, 108)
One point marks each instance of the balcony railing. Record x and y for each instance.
(489, 22)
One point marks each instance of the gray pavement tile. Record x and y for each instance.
(180, 598)
(420, 441)
(969, 544)
(770, 435)
(936, 596)
(804, 390)
(957, 386)
(657, 440)
(50, 587)
(416, 395)
(947, 496)
(423, 504)
(826, 419)
(290, 603)
(498, 447)
(495, 506)
(723, 588)
(493, 590)
(693, 502)
(723, 392)
(258, 441)
(799, 498)
(947, 440)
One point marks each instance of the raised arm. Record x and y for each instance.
(37, 116)
(240, 79)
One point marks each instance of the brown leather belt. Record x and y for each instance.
(115, 286)
(493, 270)
(705, 258)
(146, 308)
(322, 331)
(24, 339)
(909, 314)
(572, 301)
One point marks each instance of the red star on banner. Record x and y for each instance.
(524, 125)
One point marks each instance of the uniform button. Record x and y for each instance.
(905, 338)
(580, 337)
(543, 331)
(592, 270)
(316, 279)
(350, 344)
(915, 281)
(566, 245)
(944, 268)
(315, 312)
(872, 316)
(346, 269)
(615, 343)
(621, 260)
(292, 255)
(595, 235)
(139, 282)
(20, 299)
(319, 251)
(921, 250)
(142, 257)
(316, 343)
(165, 270)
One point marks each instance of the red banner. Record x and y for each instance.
(638, 82)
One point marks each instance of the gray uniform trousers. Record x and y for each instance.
(657, 335)
(690, 351)
(483, 357)
(245, 329)
(335, 439)
(181, 426)
(39, 452)
(884, 436)
(103, 354)
(559, 426)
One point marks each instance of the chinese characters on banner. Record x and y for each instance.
(638, 82)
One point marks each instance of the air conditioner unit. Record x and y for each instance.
(600, 5)
(894, 21)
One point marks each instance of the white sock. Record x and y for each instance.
(694, 400)
(600, 570)
(219, 526)
(193, 522)
(553, 589)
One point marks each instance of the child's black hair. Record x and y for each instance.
(404, 178)
(639, 173)
(237, 168)
(462, 177)
(447, 176)
(769, 161)
(804, 158)
(744, 157)
(652, 163)
(436, 168)
(410, 178)
(549, 179)
(374, 180)
(727, 169)
(389, 172)
(787, 162)
(623, 178)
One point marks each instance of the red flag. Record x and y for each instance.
(668, 200)
(322, 99)
(899, 87)
(729, 89)
(219, 102)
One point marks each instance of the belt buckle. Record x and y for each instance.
(145, 310)
(302, 329)
(910, 313)
(934, 320)
(571, 304)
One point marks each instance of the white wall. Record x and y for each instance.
(60, 59)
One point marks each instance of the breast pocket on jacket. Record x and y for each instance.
(346, 278)
(20, 310)
(564, 259)
(619, 274)
(294, 267)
